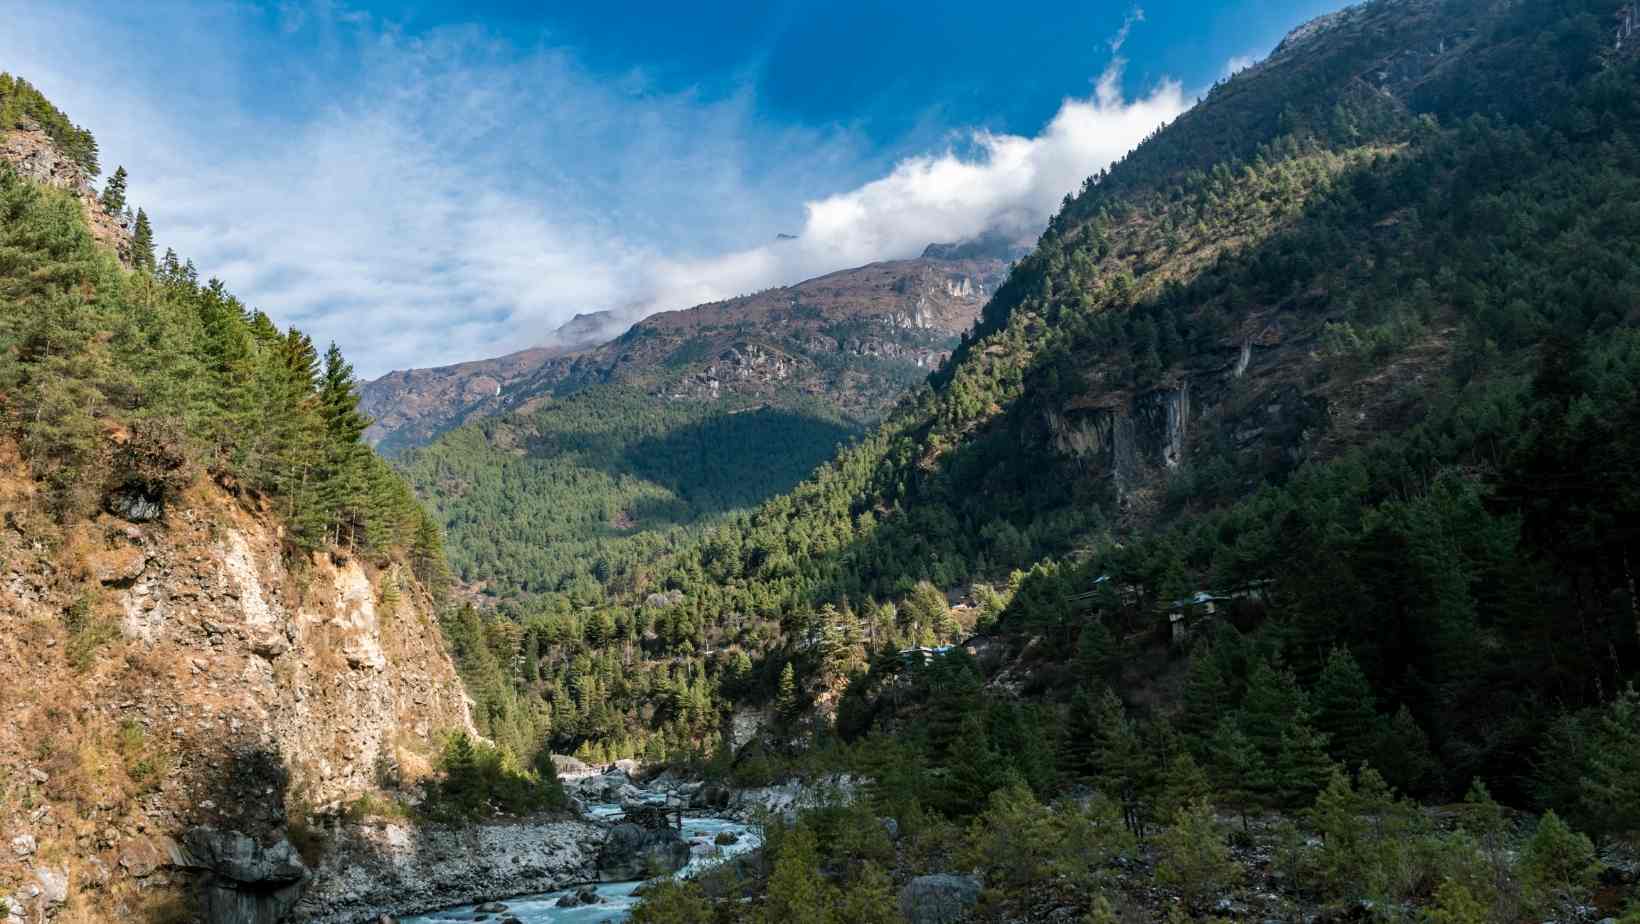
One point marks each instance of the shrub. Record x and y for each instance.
(1455, 904)
(671, 901)
(476, 780)
(1192, 856)
(1558, 863)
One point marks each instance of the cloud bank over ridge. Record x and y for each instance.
(445, 196)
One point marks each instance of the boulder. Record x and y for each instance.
(134, 503)
(938, 899)
(53, 885)
(490, 908)
(118, 566)
(141, 857)
(579, 899)
(622, 793)
(633, 852)
(711, 796)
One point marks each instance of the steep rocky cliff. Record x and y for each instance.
(179, 672)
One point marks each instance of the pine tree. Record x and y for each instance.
(955, 692)
(1273, 706)
(462, 787)
(142, 243)
(1345, 709)
(797, 893)
(1239, 774)
(870, 899)
(1613, 775)
(1077, 758)
(1206, 698)
(1558, 864)
(389, 594)
(1404, 757)
(113, 196)
(1192, 856)
(1095, 653)
(1120, 758)
(1183, 784)
(532, 658)
(973, 769)
(786, 703)
(1303, 767)
(340, 483)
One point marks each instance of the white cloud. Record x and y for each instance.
(453, 198)
(1238, 64)
(1011, 183)
(1120, 38)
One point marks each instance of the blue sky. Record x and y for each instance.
(431, 182)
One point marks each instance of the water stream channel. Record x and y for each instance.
(615, 899)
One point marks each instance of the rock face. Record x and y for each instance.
(938, 899)
(245, 882)
(208, 680)
(634, 852)
(789, 798)
(396, 869)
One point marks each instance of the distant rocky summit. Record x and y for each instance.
(855, 339)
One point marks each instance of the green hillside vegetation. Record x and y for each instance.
(1470, 554)
(553, 506)
(189, 378)
(1435, 608)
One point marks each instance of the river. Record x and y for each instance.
(615, 898)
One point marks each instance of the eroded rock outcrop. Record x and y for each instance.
(185, 672)
(34, 156)
(245, 882)
(398, 869)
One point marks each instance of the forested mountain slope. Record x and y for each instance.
(614, 454)
(1310, 430)
(1350, 346)
(582, 493)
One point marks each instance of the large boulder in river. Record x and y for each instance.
(633, 852)
(939, 899)
(246, 883)
(711, 796)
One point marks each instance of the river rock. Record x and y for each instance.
(578, 899)
(711, 796)
(938, 899)
(634, 852)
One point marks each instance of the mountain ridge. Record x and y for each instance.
(924, 305)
